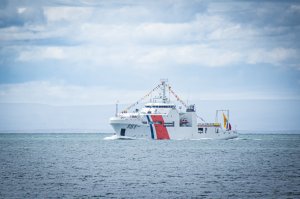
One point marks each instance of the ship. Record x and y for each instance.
(163, 119)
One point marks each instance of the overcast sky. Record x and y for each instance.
(65, 52)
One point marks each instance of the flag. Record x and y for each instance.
(225, 121)
(227, 125)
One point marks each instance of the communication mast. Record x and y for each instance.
(163, 83)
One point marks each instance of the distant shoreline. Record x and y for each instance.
(47, 131)
(96, 131)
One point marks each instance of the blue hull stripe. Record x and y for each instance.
(151, 128)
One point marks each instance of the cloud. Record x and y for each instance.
(246, 95)
(59, 93)
(68, 14)
(88, 42)
(42, 53)
(13, 14)
(189, 55)
(276, 56)
(147, 58)
(134, 57)
(259, 13)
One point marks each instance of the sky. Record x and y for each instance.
(89, 52)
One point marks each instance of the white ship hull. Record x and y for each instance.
(135, 129)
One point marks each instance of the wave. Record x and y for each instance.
(116, 137)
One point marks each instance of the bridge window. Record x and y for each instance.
(200, 130)
(169, 124)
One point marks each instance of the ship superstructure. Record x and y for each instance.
(162, 119)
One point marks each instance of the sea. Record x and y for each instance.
(85, 165)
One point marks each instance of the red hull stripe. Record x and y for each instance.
(161, 130)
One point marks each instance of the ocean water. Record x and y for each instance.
(87, 166)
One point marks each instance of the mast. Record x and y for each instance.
(117, 108)
(163, 83)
